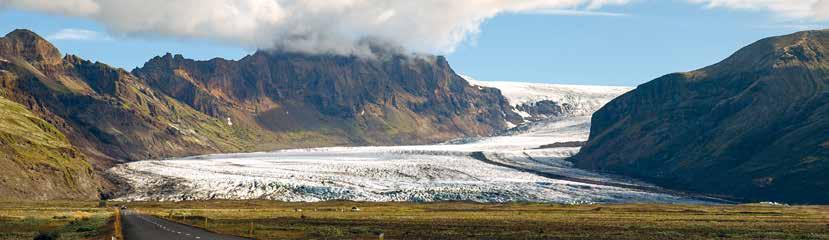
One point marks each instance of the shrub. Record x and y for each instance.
(85, 229)
(47, 236)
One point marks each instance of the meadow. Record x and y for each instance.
(55, 220)
(467, 220)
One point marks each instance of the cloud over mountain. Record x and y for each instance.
(793, 9)
(333, 26)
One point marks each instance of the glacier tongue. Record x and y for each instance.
(496, 169)
(585, 99)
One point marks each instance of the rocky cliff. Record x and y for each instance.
(753, 127)
(339, 100)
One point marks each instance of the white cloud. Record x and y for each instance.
(791, 26)
(73, 7)
(335, 26)
(572, 12)
(78, 34)
(812, 10)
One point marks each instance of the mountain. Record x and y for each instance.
(179, 107)
(753, 127)
(334, 100)
(107, 113)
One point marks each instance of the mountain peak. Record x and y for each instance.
(29, 46)
(806, 48)
(22, 33)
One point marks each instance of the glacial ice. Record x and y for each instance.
(396, 173)
(504, 168)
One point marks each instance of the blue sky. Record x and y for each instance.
(638, 42)
(654, 39)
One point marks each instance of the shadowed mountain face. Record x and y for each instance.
(177, 107)
(754, 126)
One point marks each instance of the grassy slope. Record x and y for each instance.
(278, 220)
(38, 162)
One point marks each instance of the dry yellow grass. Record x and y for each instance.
(462, 220)
(69, 220)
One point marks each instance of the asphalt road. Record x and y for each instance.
(143, 227)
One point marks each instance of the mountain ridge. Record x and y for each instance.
(274, 87)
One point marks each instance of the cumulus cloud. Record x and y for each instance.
(332, 26)
(813, 10)
(78, 34)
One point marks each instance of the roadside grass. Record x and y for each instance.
(58, 219)
(465, 220)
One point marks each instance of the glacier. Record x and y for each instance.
(510, 167)
(586, 98)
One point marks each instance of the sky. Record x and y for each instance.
(588, 42)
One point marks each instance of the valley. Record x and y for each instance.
(343, 119)
(500, 173)
(510, 167)
(343, 134)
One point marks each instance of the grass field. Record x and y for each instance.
(462, 220)
(57, 219)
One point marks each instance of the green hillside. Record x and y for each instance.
(38, 161)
